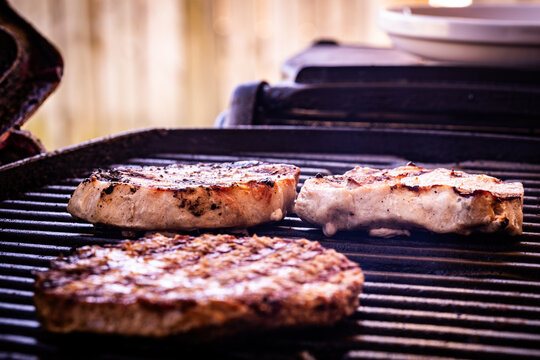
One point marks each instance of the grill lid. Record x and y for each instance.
(30, 70)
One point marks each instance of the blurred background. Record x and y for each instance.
(174, 63)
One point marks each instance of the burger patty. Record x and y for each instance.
(187, 197)
(439, 200)
(161, 286)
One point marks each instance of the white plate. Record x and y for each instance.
(507, 35)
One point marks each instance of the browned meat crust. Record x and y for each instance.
(160, 286)
(186, 197)
(439, 200)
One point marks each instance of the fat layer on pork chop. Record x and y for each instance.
(187, 197)
(161, 286)
(439, 200)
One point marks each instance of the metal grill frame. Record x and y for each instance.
(427, 296)
(331, 84)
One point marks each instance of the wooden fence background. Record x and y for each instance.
(141, 63)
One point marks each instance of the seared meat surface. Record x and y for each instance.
(187, 197)
(160, 286)
(440, 200)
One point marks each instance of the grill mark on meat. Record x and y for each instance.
(203, 196)
(179, 242)
(459, 191)
(466, 193)
(269, 276)
(188, 264)
(261, 274)
(367, 178)
(406, 197)
(130, 175)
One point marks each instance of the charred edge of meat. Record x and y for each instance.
(193, 205)
(195, 208)
(458, 191)
(453, 173)
(267, 182)
(109, 189)
(505, 223)
(479, 192)
(107, 175)
(374, 179)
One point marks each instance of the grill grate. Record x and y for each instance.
(425, 296)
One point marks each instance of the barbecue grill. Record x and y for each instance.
(426, 296)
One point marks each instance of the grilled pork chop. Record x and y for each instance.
(187, 197)
(440, 200)
(160, 286)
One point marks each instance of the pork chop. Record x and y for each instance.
(187, 197)
(161, 286)
(439, 200)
